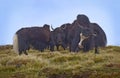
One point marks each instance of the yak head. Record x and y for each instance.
(85, 34)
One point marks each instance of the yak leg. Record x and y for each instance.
(20, 52)
(64, 47)
(25, 53)
(96, 49)
(51, 48)
(57, 47)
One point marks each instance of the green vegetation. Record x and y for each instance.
(60, 64)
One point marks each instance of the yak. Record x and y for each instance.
(37, 37)
(85, 35)
(60, 35)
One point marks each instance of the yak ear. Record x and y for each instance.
(52, 27)
(64, 27)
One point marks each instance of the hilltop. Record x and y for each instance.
(60, 64)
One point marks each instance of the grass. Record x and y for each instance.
(60, 64)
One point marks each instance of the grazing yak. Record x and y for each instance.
(37, 37)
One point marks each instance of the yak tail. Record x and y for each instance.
(15, 43)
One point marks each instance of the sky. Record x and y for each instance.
(15, 14)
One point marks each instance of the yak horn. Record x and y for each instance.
(52, 28)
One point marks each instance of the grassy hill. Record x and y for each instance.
(60, 64)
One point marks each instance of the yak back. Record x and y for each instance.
(35, 33)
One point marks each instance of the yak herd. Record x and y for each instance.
(81, 34)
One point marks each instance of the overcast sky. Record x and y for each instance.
(15, 14)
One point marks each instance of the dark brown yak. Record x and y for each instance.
(37, 37)
(94, 35)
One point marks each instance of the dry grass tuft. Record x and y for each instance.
(60, 64)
